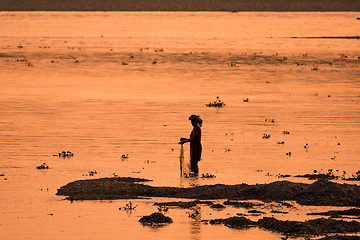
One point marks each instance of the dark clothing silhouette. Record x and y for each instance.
(195, 143)
(195, 150)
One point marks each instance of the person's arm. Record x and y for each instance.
(192, 138)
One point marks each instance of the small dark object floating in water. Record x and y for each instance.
(64, 154)
(208, 175)
(331, 37)
(266, 136)
(43, 166)
(218, 103)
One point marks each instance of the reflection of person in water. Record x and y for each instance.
(195, 143)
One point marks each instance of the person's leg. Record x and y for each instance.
(194, 166)
(195, 154)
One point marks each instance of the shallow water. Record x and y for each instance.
(77, 96)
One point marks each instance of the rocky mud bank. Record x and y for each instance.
(313, 227)
(307, 229)
(319, 193)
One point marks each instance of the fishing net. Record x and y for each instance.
(184, 167)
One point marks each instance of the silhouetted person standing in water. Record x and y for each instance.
(195, 143)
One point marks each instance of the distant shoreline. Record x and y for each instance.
(183, 5)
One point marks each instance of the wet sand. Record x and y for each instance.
(180, 5)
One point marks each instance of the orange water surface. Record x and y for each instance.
(107, 84)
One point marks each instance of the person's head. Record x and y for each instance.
(195, 120)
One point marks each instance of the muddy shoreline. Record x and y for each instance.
(181, 5)
(315, 227)
(307, 229)
(319, 193)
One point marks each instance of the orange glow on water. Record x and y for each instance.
(88, 83)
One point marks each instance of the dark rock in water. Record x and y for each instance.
(340, 237)
(275, 191)
(336, 194)
(105, 189)
(280, 212)
(313, 227)
(204, 202)
(218, 206)
(320, 193)
(237, 204)
(348, 212)
(234, 222)
(155, 219)
(285, 204)
(184, 204)
(177, 204)
(256, 212)
(238, 222)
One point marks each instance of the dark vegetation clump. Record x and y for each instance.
(355, 176)
(327, 176)
(208, 175)
(155, 220)
(43, 166)
(218, 103)
(65, 154)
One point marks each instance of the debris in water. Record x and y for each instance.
(266, 136)
(218, 103)
(65, 154)
(208, 175)
(43, 166)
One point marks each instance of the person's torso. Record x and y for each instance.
(197, 141)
